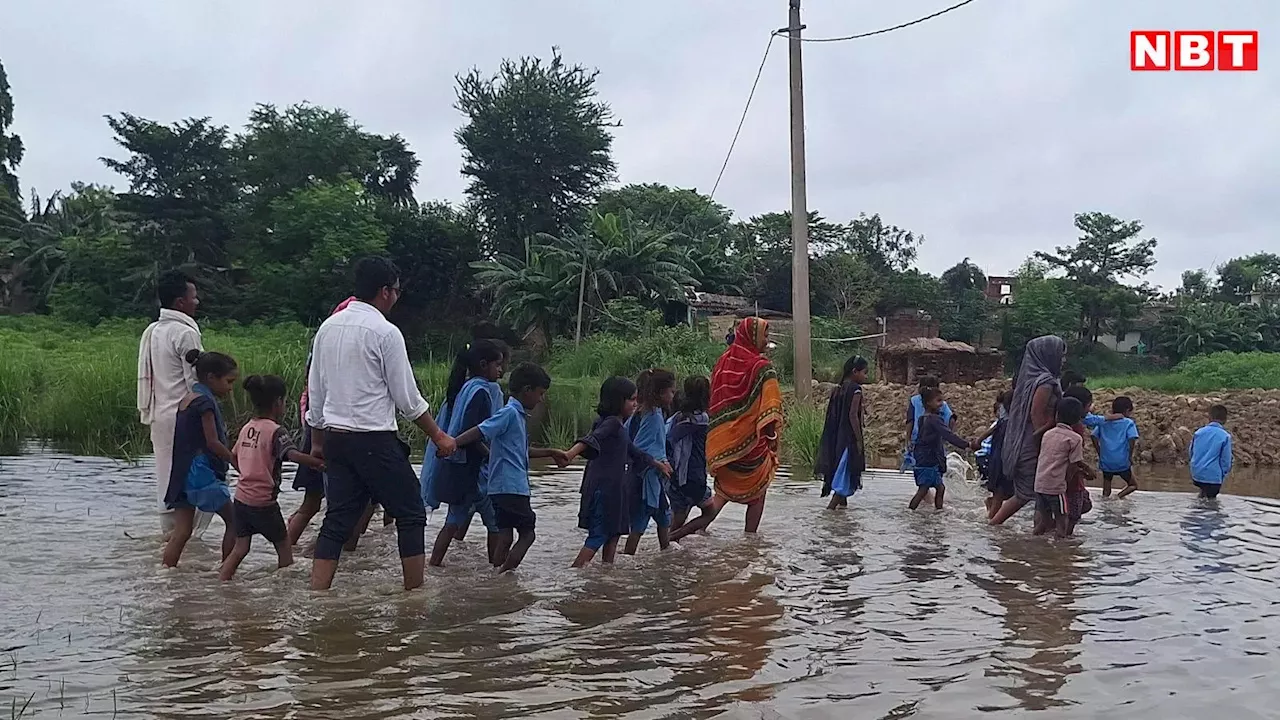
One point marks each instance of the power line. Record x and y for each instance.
(881, 31)
(765, 59)
(743, 119)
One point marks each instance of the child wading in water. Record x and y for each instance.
(842, 452)
(1210, 453)
(459, 479)
(507, 435)
(687, 451)
(604, 511)
(987, 451)
(1061, 457)
(929, 452)
(648, 428)
(260, 448)
(198, 478)
(1115, 441)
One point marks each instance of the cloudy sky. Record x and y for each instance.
(984, 129)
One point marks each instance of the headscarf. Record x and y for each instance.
(302, 399)
(745, 397)
(1041, 365)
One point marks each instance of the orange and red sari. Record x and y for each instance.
(745, 400)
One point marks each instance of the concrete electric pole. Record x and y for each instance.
(803, 367)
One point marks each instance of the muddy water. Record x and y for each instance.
(1164, 606)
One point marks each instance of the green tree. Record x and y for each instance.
(10, 143)
(280, 152)
(1195, 285)
(300, 267)
(763, 247)
(434, 245)
(1043, 306)
(965, 312)
(1240, 277)
(103, 272)
(30, 253)
(703, 229)
(843, 286)
(536, 145)
(182, 193)
(527, 293)
(886, 248)
(1107, 251)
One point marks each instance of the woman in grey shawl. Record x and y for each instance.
(1036, 391)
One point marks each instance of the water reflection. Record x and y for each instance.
(1163, 605)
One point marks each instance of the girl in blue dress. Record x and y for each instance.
(604, 511)
(656, 390)
(198, 476)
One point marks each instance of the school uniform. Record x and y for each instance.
(930, 452)
(1211, 458)
(360, 377)
(603, 510)
(648, 494)
(1115, 456)
(916, 414)
(197, 477)
(507, 434)
(687, 450)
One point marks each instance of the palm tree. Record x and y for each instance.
(31, 254)
(527, 294)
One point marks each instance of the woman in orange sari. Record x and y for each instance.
(746, 418)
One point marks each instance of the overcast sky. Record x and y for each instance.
(984, 129)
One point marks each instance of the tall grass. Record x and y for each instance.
(1206, 373)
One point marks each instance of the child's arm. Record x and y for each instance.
(571, 454)
(235, 456)
(470, 437)
(1042, 418)
(306, 459)
(1075, 456)
(1097, 446)
(1225, 458)
(211, 440)
(644, 458)
(950, 436)
(1083, 468)
(1133, 449)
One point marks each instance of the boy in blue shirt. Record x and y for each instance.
(1115, 441)
(1211, 454)
(507, 435)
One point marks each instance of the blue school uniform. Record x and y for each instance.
(1114, 455)
(507, 434)
(687, 451)
(917, 414)
(1211, 454)
(197, 478)
(648, 496)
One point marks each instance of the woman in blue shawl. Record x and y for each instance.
(458, 479)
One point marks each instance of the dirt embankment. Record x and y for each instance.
(1166, 422)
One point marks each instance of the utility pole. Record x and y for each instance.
(803, 366)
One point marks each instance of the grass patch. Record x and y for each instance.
(1207, 373)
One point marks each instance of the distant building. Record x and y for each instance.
(1263, 297)
(1000, 289)
(721, 313)
(951, 362)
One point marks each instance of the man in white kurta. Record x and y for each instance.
(165, 376)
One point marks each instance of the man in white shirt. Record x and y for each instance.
(360, 376)
(164, 375)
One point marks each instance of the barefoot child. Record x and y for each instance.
(842, 449)
(198, 478)
(258, 452)
(496, 400)
(987, 451)
(507, 435)
(1115, 441)
(1061, 453)
(1210, 453)
(929, 451)
(456, 479)
(604, 512)
(915, 415)
(687, 451)
(656, 390)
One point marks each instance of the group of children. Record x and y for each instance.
(646, 458)
(646, 461)
(1062, 497)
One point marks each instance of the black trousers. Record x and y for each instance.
(363, 467)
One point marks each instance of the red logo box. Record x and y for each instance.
(1193, 50)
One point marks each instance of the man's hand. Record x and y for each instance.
(445, 445)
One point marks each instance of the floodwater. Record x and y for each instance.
(1163, 606)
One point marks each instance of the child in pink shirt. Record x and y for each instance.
(258, 452)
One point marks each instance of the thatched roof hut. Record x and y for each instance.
(950, 362)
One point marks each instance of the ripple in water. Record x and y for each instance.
(1163, 606)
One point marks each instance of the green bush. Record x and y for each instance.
(683, 350)
(1206, 373)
